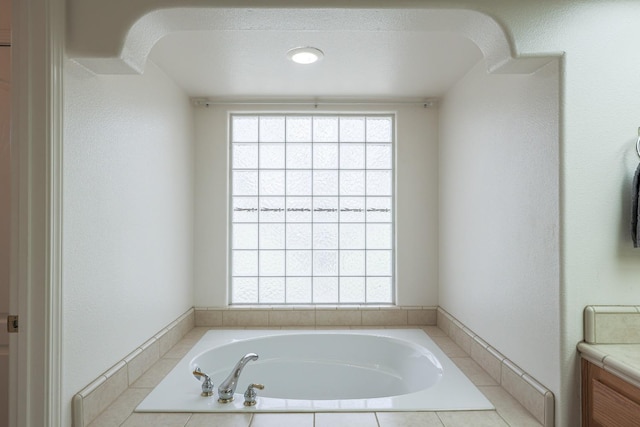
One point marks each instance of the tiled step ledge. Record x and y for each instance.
(536, 398)
(314, 316)
(612, 324)
(97, 396)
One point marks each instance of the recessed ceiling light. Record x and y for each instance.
(305, 55)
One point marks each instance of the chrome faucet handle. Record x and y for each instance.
(250, 394)
(207, 384)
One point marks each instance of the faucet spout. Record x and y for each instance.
(228, 386)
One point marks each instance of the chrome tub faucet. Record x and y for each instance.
(228, 386)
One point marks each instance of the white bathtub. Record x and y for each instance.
(337, 370)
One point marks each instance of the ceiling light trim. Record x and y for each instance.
(305, 55)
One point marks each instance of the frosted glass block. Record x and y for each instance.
(245, 183)
(272, 209)
(325, 156)
(352, 129)
(245, 209)
(352, 209)
(298, 129)
(378, 183)
(244, 263)
(325, 183)
(244, 290)
(325, 290)
(379, 156)
(272, 183)
(325, 129)
(298, 263)
(299, 156)
(379, 290)
(352, 236)
(325, 236)
(271, 263)
(325, 209)
(379, 236)
(245, 236)
(352, 156)
(271, 290)
(352, 263)
(379, 263)
(299, 209)
(271, 129)
(272, 156)
(379, 209)
(299, 236)
(352, 183)
(352, 290)
(272, 236)
(298, 290)
(299, 183)
(325, 263)
(244, 129)
(379, 129)
(245, 156)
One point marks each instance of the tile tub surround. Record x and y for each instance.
(314, 316)
(508, 411)
(115, 406)
(538, 400)
(617, 324)
(101, 393)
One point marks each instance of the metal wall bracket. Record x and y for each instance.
(12, 324)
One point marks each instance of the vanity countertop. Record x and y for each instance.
(622, 360)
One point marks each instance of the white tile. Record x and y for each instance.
(386, 317)
(408, 419)
(514, 382)
(292, 318)
(282, 420)
(473, 371)
(157, 420)
(508, 407)
(139, 362)
(487, 360)
(226, 420)
(104, 395)
(346, 419)
(338, 317)
(208, 317)
(421, 317)
(617, 328)
(121, 409)
(472, 419)
(434, 331)
(245, 318)
(155, 374)
(449, 347)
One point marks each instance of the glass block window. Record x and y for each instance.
(312, 209)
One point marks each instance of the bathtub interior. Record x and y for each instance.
(350, 370)
(328, 366)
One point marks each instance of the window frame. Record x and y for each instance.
(393, 170)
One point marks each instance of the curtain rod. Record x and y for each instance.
(426, 103)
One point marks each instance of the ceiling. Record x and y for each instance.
(232, 64)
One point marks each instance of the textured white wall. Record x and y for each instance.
(500, 216)
(128, 217)
(599, 120)
(416, 201)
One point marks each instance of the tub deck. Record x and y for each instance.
(508, 411)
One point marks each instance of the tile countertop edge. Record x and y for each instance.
(615, 359)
